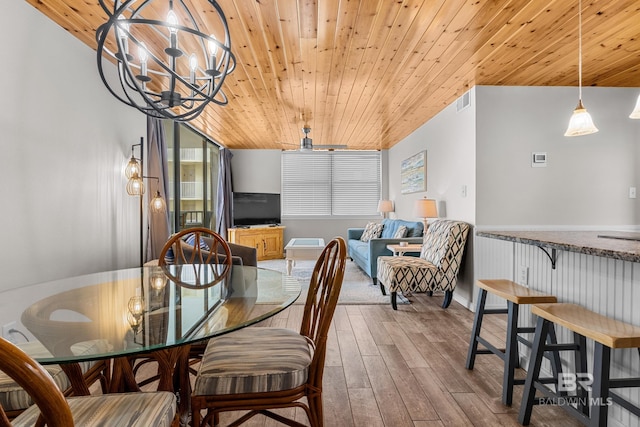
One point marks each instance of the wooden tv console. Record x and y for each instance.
(267, 240)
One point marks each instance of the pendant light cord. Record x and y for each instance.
(580, 50)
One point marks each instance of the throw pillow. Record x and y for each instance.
(371, 231)
(400, 232)
(189, 239)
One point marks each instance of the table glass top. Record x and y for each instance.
(305, 242)
(141, 309)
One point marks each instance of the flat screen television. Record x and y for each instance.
(255, 209)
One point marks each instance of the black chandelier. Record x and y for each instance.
(166, 68)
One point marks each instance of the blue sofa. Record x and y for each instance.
(365, 254)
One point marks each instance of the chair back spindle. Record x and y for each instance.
(322, 298)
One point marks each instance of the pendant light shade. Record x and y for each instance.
(636, 111)
(581, 122)
(135, 186)
(158, 204)
(133, 167)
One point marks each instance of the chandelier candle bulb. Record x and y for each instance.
(193, 65)
(142, 53)
(213, 49)
(173, 50)
(123, 39)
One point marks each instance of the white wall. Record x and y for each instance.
(587, 179)
(450, 141)
(65, 141)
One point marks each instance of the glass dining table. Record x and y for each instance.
(145, 310)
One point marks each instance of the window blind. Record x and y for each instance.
(324, 183)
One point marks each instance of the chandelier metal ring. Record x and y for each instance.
(178, 71)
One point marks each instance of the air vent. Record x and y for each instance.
(462, 102)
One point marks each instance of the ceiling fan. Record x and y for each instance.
(306, 143)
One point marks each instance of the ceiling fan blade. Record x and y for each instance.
(331, 147)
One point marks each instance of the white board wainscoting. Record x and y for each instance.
(605, 285)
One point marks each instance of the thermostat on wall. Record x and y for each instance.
(538, 160)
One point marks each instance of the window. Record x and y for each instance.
(326, 183)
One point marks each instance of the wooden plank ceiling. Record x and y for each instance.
(367, 73)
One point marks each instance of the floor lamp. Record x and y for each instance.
(134, 171)
(424, 209)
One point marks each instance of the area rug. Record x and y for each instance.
(357, 287)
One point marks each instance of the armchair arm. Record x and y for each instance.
(354, 233)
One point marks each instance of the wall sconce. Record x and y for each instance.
(385, 206)
(133, 167)
(134, 171)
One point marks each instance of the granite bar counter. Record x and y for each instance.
(622, 245)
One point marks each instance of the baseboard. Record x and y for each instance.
(463, 301)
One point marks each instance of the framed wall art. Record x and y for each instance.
(413, 173)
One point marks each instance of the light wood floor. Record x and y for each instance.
(406, 368)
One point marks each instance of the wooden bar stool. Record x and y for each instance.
(607, 334)
(515, 295)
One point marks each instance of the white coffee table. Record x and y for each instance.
(399, 250)
(302, 248)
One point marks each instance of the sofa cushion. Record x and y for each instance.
(400, 232)
(371, 231)
(360, 248)
(414, 228)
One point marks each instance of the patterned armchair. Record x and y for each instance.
(435, 270)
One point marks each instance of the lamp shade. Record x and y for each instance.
(636, 111)
(135, 186)
(385, 206)
(580, 122)
(158, 204)
(426, 208)
(133, 167)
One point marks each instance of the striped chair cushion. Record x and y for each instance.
(155, 409)
(14, 398)
(253, 360)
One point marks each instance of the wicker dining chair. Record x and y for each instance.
(259, 369)
(196, 246)
(155, 409)
(181, 259)
(14, 399)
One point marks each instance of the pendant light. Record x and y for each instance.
(580, 122)
(635, 114)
